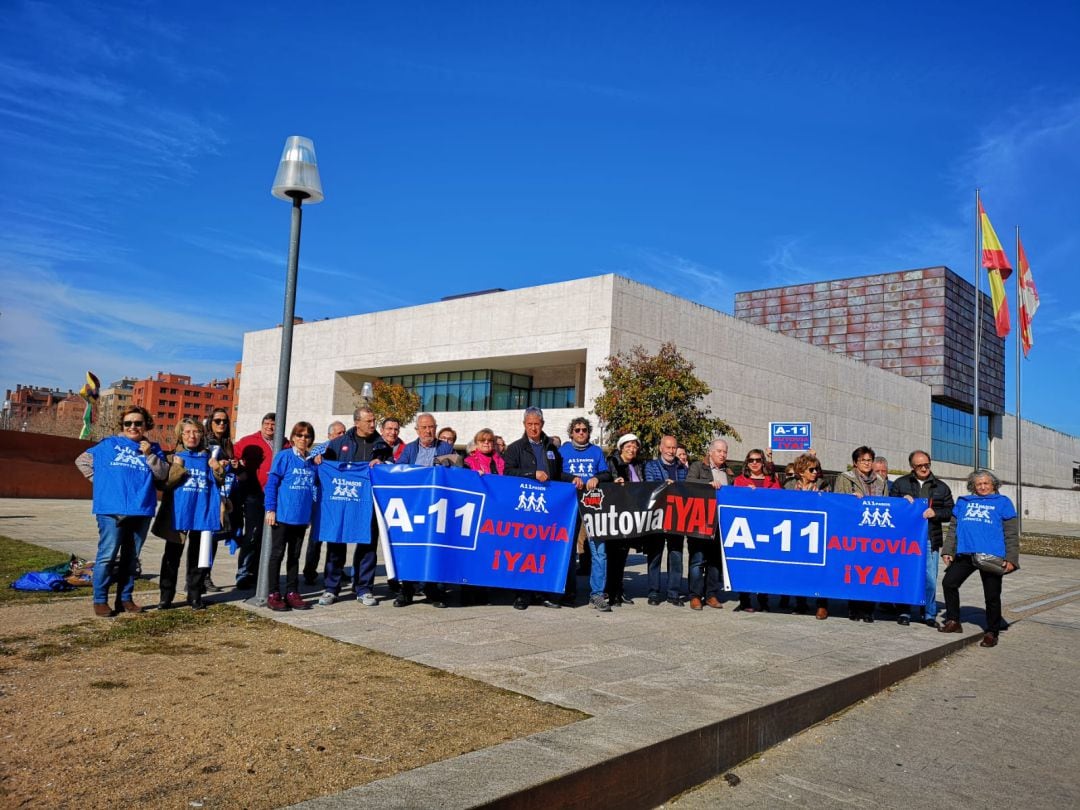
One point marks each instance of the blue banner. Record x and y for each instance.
(819, 544)
(452, 525)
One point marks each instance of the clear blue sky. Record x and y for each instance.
(464, 146)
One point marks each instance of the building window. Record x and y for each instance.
(950, 435)
(482, 390)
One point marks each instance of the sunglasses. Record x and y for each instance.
(220, 421)
(813, 469)
(580, 430)
(307, 436)
(925, 466)
(134, 423)
(755, 460)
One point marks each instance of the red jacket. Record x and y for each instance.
(768, 482)
(481, 463)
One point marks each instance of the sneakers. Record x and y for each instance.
(296, 601)
(210, 587)
(600, 603)
(367, 600)
(327, 599)
(276, 601)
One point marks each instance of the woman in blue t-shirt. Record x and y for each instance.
(190, 506)
(123, 469)
(290, 496)
(985, 524)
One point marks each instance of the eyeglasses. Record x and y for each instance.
(755, 460)
(866, 460)
(220, 421)
(134, 423)
(580, 430)
(925, 466)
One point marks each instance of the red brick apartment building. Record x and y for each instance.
(171, 397)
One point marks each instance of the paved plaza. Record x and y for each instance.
(674, 696)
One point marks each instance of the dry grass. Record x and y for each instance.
(223, 708)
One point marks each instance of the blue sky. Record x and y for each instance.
(702, 148)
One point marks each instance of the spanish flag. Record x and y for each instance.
(1029, 296)
(997, 264)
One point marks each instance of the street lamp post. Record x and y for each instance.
(297, 179)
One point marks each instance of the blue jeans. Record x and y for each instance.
(932, 560)
(704, 575)
(598, 572)
(120, 539)
(364, 560)
(654, 550)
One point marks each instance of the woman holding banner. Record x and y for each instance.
(861, 481)
(807, 477)
(987, 540)
(290, 496)
(484, 460)
(190, 505)
(626, 468)
(755, 475)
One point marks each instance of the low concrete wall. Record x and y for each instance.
(36, 465)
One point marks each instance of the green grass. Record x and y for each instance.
(17, 557)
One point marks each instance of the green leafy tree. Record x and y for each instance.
(391, 399)
(655, 394)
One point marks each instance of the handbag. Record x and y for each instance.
(990, 563)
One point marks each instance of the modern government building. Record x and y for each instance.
(883, 360)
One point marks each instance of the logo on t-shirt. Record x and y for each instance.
(196, 481)
(582, 468)
(127, 457)
(979, 511)
(301, 478)
(345, 489)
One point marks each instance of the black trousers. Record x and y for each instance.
(285, 542)
(170, 568)
(961, 568)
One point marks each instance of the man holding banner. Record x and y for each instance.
(584, 466)
(535, 456)
(704, 574)
(665, 468)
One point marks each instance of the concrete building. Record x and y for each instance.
(477, 361)
(916, 323)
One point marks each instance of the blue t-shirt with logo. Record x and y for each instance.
(979, 520)
(343, 513)
(290, 488)
(123, 481)
(583, 463)
(197, 501)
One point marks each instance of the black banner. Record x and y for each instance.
(629, 511)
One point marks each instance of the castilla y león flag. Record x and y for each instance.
(997, 265)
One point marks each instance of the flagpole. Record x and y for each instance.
(978, 328)
(1019, 417)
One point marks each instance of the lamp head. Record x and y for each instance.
(298, 173)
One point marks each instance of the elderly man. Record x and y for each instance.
(922, 483)
(704, 576)
(534, 456)
(425, 451)
(665, 468)
(359, 443)
(255, 453)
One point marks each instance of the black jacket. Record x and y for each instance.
(350, 447)
(521, 462)
(620, 469)
(933, 489)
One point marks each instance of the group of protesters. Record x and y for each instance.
(215, 490)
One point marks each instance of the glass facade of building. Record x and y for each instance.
(950, 435)
(481, 390)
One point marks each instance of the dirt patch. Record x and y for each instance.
(222, 709)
